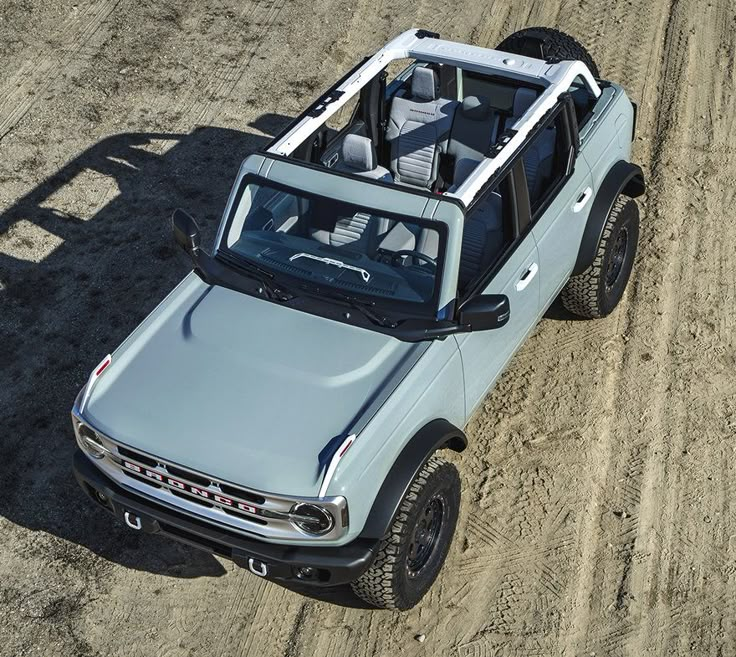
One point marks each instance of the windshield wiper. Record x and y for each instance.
(365, 307)
(263, 276)
(364, 274)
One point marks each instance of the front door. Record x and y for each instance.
(485, 354)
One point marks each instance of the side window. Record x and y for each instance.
(545, 161)
(487, 232)
(584, 101)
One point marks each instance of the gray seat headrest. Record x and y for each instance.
(358, 153)
(424, 84)
(523, 100)
(476, 108)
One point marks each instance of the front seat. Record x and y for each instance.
(483, 239)
(360, 231)
(359, 157)
(417, 131)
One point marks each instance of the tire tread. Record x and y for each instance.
(377, 585)
(581, 294)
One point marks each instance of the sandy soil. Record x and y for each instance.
(599, 514)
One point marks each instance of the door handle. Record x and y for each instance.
(583, 199)
(530, 273)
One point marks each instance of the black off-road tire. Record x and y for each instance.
(390, 582)
(549, 44)
(597, 291)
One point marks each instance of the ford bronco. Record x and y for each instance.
(377, 266)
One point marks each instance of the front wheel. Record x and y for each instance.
(597, 291)
(411, 555)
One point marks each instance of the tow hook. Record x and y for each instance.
(133, 521)
(257, 567)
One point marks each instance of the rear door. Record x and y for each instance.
(560, 194)
(514, 272)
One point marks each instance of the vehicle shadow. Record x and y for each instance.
(342, 595)
(85, 256)
(559, 312)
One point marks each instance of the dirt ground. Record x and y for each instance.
(599, 515)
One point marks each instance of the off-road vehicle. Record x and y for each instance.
(376, 268)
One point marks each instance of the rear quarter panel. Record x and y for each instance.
(606, 138)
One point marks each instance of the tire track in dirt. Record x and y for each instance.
(603, 455)
(686, 558)
(35, 76)
(654, 510)
(227, 76)
(602, 329)
(571, 437)
(488, 28)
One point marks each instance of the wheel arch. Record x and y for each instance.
(435, 435)
(622, 178)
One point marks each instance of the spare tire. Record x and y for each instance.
(548, 44)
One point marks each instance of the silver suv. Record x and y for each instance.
(376, 268)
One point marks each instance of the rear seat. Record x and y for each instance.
(539, 158)
(474, 129)
(417, 130)
(361, 230)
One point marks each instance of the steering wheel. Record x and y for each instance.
(413, 254)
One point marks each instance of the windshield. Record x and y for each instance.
(325, 242)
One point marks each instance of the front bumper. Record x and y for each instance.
(329, 566)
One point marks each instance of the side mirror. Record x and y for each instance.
(186, 232)
(485, 311)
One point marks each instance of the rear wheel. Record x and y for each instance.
(411, 555)
(547, 43)
(597, 291)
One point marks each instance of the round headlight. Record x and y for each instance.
(91, 442)
(312, 519)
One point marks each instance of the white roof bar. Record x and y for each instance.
(557, 79)
(396, 49)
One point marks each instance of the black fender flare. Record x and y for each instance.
(622, 178)
(435, 435)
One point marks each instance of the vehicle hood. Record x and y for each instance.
(242, 389)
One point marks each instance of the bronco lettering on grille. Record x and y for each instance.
(194, 490)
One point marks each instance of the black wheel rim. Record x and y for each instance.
(618, 255)
(425, 535)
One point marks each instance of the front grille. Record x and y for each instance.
(137, 456)
(237, 492)
(238, 514)
(188, 485)
(205, 498)
(143, 480)
(183, 474)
